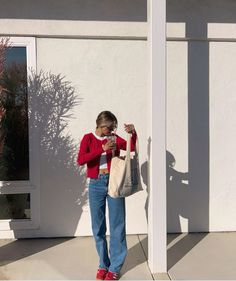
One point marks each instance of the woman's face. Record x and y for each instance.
(106, 129)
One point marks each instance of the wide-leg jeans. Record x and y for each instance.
(98, 195)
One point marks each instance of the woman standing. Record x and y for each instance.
(96, 150)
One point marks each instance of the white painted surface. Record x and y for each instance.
(157, 258)
(177, 135)
(72, 28)
(222, 136)
(200, 118)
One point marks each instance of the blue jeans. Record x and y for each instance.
(116, 206)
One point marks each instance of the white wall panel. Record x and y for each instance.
(177, 136)
(201, 115)
(222, 136)
(108, 75)
(201, 136)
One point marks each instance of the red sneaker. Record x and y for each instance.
(101, 274)
(112, 276)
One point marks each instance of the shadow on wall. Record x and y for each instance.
(183, 204)
(188, 193)
(63, 184)
(183, 200)
(84, 10)
(179, 196)
(144, 175)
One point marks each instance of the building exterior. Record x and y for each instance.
(102, 48)
(102, 53)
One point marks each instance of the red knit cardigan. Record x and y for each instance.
(91, 149)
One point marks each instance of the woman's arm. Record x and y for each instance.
(122, 144)
(84, 155)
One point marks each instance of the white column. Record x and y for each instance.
(157, 255)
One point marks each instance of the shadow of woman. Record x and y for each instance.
(180, 202)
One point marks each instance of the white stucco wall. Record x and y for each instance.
(108, 75)
(200, 115)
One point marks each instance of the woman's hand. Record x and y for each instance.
(129, 128)
(109, 145)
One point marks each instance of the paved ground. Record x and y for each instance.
(190, 256)
(62, 258)
(202, 256)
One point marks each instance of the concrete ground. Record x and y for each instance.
(199, 256)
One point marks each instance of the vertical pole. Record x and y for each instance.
(157, 255)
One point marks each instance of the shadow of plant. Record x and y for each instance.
(35, 114)
(51, 100)
(51, 103)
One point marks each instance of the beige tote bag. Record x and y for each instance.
(125, 177)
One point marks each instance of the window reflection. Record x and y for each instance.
(14, 144)
(15, 206)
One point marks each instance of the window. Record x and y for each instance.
(19, 174)
(14, 144)
(15, 206)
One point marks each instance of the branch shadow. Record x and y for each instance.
(63, 190)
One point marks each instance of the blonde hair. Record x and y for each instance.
(106, 118)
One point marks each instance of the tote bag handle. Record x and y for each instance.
(128, 147)
(128, 151)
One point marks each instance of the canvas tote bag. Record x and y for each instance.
(125, 178)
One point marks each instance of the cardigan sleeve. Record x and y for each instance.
(122, 144)
(85, 155)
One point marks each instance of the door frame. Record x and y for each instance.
(32, 186)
